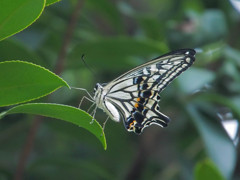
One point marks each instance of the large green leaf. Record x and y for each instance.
(206, 170)
(188, 83)
(50, 2)
(9, 46)
(63, 112)
(23, 81)
(219, 146)
(16, 15)
(225, 101)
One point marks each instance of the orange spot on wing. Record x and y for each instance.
(138, 99)
(132, 123)
(136, 105)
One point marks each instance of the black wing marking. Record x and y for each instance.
(135, 93)
(173, 56)
(145, 111)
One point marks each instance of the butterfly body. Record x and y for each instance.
(134, 96)
(103, 103)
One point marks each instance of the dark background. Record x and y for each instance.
(116, 36)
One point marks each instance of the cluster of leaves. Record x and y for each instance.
(116, 36)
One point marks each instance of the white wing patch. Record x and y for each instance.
(119, 85)
(112, 111)
(131, 88)
(120, 95)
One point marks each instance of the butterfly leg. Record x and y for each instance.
(84, 97)
(105, 123)
(90, 107)
(93, 114)
(82, 89)
(103, 126)
(90, 98)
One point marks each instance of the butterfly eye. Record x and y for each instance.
(96, 87)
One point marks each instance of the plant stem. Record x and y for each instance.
(29, 143)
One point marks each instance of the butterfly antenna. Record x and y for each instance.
(89, 68)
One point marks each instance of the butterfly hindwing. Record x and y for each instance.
(145, 111)
(136, 93)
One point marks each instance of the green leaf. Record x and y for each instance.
(225, 101)
(232, 54)
(210, 21)
(188, 83)
(9, 46)
(23, 81)
(63, 112)
(206, 170)
(210, 53)
(219, 146)
(16, 15)
(50, 2)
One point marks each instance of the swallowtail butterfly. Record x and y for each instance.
(134, 96)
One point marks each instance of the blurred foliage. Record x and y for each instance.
(206, 170)
(116, 36)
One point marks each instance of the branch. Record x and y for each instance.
(29, 143)
(68, 37)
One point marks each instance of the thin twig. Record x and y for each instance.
(68, 37)
(28, 146)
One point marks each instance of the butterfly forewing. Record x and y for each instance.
(135, 94)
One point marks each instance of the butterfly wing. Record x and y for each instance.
(135, 93)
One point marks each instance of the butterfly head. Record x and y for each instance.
(97, 91)
(96, 87)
